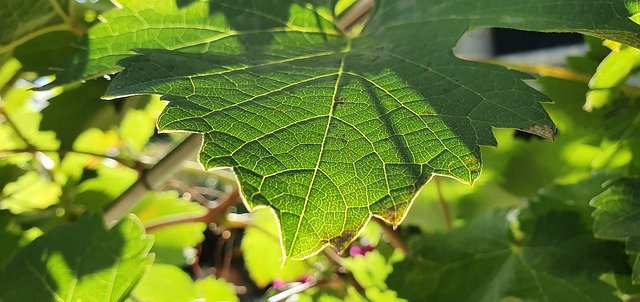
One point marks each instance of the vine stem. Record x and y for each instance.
(444, 206)
(551, 71)
(219, 209)
(30, 146)
(133, 164)
(392, 235)
(356, 14)
(152, 178)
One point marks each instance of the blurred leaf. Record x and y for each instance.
(136, 129)
(77, 109)
(22, 20)
(99, 192)
(45, 54)
(548, 253)
(171, 241)
(19, 105)
(169, 283)
(617, 217)
(161, 206)
(371, 271)
(215, 290)
(262, 252)
(31, 191)
(610, 75)
(615, 68)
(96, 141)
(162, 283)
(56, 267)
(10, 235)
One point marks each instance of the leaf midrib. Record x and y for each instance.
(324, 141)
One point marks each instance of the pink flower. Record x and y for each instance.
(278, 284)
(306, 279)
(355, 250)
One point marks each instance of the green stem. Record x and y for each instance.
(136, 165)
(152, 178)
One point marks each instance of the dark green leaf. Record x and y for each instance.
(483, 262)
(617, 215)
(23, 20)
(78, 109)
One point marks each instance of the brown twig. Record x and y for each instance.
(195, 266)
(392, 235)
(444, 206)
(554, 72)
(195, 195)
(356, 14)
(216, 211)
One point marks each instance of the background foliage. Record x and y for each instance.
(328, 123)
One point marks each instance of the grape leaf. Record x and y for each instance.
(55, 267)
(330, 129)
(617, 214)
(484, 262)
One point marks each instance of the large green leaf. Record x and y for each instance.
(617, 215)
(102, 266)
(328, 129)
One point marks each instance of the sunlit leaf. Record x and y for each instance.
(329, 129)
(31, 191)
(169, 283)
(171, 241)
(262, 252)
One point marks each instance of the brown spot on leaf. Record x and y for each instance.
(391, 216)
(343, 241)
(545, 131)
(472, 163)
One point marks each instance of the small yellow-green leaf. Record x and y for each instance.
(262, 252)
(615, 68)
(213, 290)
(31, 191)
(172, 241)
